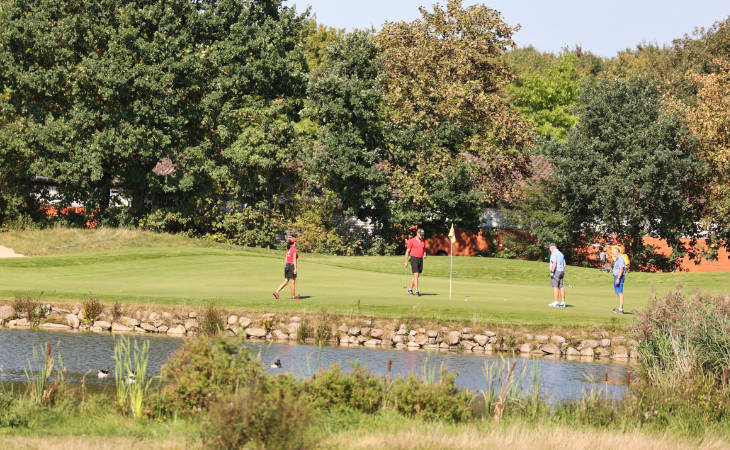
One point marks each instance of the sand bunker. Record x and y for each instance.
(8, 253)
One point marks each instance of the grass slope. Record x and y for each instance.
(146, 268)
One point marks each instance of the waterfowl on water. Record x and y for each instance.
(131, 378)
(103, 373)
(276, 364)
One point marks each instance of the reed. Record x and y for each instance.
(40, 390)
(130, 374)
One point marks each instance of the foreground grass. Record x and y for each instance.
(154, 269)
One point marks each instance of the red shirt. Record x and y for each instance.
(417, 247)
(291, 255)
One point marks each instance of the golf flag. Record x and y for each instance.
(452, 238)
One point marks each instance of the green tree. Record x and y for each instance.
(629, 169)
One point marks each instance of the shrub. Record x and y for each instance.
(202, 370)
(270, 412)
(304, 332)
(332, 389)
(117, 311)
(323, 330)
(415, 397)
(28, 306)
(92, 309)
(211, 322)
(681, 336)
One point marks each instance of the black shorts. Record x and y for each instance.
(289, 272)
(416, 264)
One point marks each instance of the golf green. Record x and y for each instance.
(488, 290)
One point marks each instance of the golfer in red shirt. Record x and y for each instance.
(290, 268)
(416, 249)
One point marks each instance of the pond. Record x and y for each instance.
(85, 353)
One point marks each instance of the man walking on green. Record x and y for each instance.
(416, 249)
(557, 273)
(619, 274)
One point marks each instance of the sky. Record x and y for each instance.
(602, 27)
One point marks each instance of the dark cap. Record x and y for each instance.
(552, 244)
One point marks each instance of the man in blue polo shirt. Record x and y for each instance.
(619, 274)
(557, 273)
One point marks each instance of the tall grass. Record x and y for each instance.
(130, 374)
(40, 390)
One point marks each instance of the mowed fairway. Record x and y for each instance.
(488, 290)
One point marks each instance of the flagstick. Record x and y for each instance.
(451, 267)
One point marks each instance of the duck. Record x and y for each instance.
(131, 378)
(276, 364)
(103, 373)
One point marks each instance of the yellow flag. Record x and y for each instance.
(452, 235)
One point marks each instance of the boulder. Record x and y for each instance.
(120, 328)
(468, 345)
(76, 310)
(398, 339)
(551, 349)
(572, 352)
(236, 330)
(605, 342)
(94, 329)
(620, 352)
(193, 315)
(400, 346)
(103, 324)
(444, 346)
(526, 347)
(352, 339)
(255, 332)
(387, 343)
(421, 339)
(293, 327)
(478, 349)
(431, 347)
(232, 319)
(453, 337)
(361, 339)
(376, 333)
(619, 340)
(354, 331)
(139, 330)
(432, 333)
(268, 315)
(162, 328)
(6, 312)
(54, 327)
(481, 339)
(343, 328)
(280, 335)
(191, 324)
(244, 322)
(587, 351)
(153, 316)
(489, 333)
(602, 352)
(412, 345)
(401, 331)
(177, 330)
(157, 323)
(588, 343)
(295, 319)
(467, 336)
(542, 338)
(73, 321)
(129, 321)
(365, 331)
(466, 330)
(372, 343)
(557, 340)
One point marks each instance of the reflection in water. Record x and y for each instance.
(87, 353)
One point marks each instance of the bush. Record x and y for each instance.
(117, 312)
(29, 307)
(360, 390)
(202, 370)
(681, 337)
(270, 411)
(211, 322)
(92, 309)
(442, 400)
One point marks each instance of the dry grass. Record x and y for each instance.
(515, 436)
(96, 443)
(61, 240)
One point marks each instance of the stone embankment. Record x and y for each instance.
(338, 330)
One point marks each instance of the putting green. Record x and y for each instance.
(488, 290)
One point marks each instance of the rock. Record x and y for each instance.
(421, 339)
(467, 336)
(444, 346)
(431, 347)
(230, 333)
(489, 333)
(468, 345)
(372, 343)
(295, 319)
(572, 352)
(157, 323)
(387, 343)
(148, 327)
(413, 345)
(153, 316)
(557, 340)
(73, 321)
(163, 328)
(293, 327)
(129, 321)
(193, 315)
(255, 332)
(191, 324)
(551, 349)
(481, 339)
(76, 310)
(400, 346)
(376, 333)
(236, 330)
(139, 330)
(244, 322)
(412, 333)
(361, 339)
(587, 351)
(432, 333)
(602, 352)
(97, 329)
(343, 328)
(365, 331)
(354, 331)
(619, 340)
(542, 339)
(232, 319)
(352, 339)
(493, 339)
(103, 324)
(605, 342)
(398, 338)
(54, 327)
(119, 328)
(529, 337)
(620, 352)
(166, 315)
(588, 343)
(401, 331)
(6, 312)
(453, 337)
(478, 349)
(526, 347)
(178, 330)
(280, 335)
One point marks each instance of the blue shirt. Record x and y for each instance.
(557, 257)
(618, 265)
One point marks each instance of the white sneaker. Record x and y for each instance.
(562, 305)
(553, 304)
